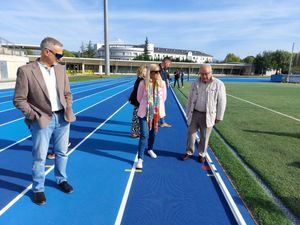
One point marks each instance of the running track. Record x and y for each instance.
(101, 168)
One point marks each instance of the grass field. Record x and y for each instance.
(266, 141)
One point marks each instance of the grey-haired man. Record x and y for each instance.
(43, 95)
(206, 107)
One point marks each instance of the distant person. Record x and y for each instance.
(181, 77)
(151, 95)
(164, 66)
(135, 129)
(43, 94)
(206, 107)
(176, 78)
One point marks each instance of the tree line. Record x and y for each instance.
(278, 60)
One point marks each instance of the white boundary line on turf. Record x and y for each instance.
(263, 107)
(12, 121)
(126, 193)
(12, 202)
(1, 150)
(234, 209)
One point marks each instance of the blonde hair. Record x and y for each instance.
(141, 72)
(153, 67)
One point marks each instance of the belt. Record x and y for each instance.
(58, 111)
(198, 111)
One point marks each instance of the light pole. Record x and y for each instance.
(291, 61)
(106, 43)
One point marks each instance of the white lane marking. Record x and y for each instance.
(19, 196)
(5, 102)
(12, 121)
(236, 212)
(1, 150)
(263, 107)
(126, 193)
(105, 85)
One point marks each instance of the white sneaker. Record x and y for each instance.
(152, 154)
(139, 164)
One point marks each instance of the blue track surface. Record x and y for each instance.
(168, 191)
(242, 79)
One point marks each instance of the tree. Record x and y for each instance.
(259, 64)
(29, 52)
(81, 49)
(232, 58)
(146, 50)
(249, 59)
(88, 50)
(278, 60)
(68, 53)
(296, 63)
(281, 60)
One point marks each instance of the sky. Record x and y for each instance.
(216, 27)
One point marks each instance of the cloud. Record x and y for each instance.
(215, 27)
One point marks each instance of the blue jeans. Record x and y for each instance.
(146, 137)
(59, 130)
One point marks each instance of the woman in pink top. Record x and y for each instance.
(151, 95)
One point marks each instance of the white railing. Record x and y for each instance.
(8, 48)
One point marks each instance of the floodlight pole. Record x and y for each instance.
(106, 43)
(291, 61)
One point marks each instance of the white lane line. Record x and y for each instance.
(110, 80)
(126, 193)
(100, 92)
(12, 202)
(97, 128)
(9, 109)
(234, 209)
(105, 85)
(1, 150)
(11, 92)
(5, 102)
(12, 121)
(263, 107)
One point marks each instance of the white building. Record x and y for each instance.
(129, 52)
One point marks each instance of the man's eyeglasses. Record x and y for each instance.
(155, 71)
(57, 56)
(205, 74)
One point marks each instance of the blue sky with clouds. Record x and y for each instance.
(214, 27)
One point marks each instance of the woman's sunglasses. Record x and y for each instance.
(155, 71)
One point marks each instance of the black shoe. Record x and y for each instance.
(39, 198)
(185, 157)
(66, 187)
(201, 159)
